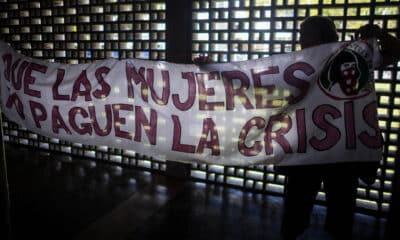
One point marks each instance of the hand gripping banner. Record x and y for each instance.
(317, 105)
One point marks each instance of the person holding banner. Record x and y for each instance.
(339, 179)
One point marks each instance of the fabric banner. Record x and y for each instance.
(317, 105)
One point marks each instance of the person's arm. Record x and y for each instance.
(389, 45)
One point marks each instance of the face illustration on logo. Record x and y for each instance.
(345, 76)
(349, 78)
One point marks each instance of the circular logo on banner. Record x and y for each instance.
(345, 76)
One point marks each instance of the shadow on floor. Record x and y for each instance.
(55, 196)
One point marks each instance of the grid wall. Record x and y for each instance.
(233, 30)
(79, 31)
(82, 31)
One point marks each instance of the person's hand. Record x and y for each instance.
(202, 59)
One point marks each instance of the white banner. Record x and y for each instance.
(312, 106)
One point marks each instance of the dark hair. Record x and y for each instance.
(321, 26)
